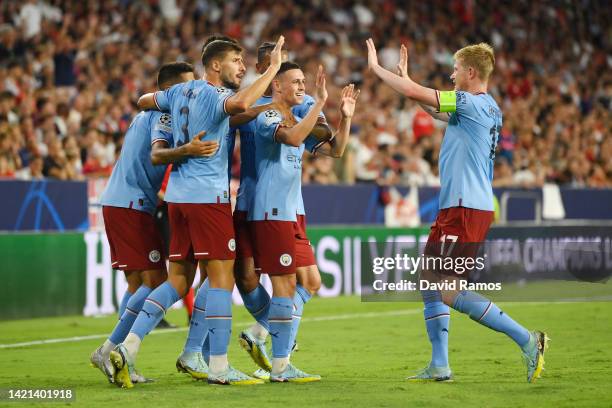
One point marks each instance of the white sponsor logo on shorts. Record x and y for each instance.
(285, 259)
(154, 256)
(231, 244)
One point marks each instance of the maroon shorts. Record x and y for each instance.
(201, 231)
(458, 225)
(281, 246)
(136, 244)
(244, 247)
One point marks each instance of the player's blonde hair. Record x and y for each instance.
(478, 56)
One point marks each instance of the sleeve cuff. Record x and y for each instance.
(155, 100)
(159, 139)
(317, 146)
(224, 105)
(274, 134)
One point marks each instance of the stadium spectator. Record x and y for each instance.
(34, 171)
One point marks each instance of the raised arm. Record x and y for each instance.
(406, 86)
(295, 135)
(402, 70)
(162, 154)
(242, 100)
(337, 145)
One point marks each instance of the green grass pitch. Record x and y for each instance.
(363, 351)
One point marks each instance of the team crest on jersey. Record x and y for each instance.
(154, 256)
(231, 244)
(222, 90)
(285, 259)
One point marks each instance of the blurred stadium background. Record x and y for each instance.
(71, 72)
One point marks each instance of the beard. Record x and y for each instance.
(230, 83)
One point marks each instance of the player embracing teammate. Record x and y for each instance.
(129, 201)
(277, 229)
(256, 298)
(199, 207)
(272, 238)
(201, 219)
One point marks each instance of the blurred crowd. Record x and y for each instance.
(72, 70)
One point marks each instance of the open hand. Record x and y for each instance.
(276, 54)
(372, 57)
(402, 66)
(321, 92)
(202, 148)
(349, 100)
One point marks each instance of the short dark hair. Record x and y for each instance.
(218, 37)
(218, 49)
(287, 66)
(264, 49)
(170, 72)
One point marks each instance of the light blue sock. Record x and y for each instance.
(437, 319)
(154, 308)
(124, 301)
(205, 342)
(257, 303)
(280, 321)
(219, 319)
(488, 314)
(129, 316)
(206, 348)
(301, 297)
(198, 327)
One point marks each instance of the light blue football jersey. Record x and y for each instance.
(231, 143)
(135, 181)
(468, 150)
(279, 172)
(248, 170)
(196, 106)
(301, 111)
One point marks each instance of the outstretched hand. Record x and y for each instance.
(321, 91)
(402, 66)
(276, 54)
(349, 100)
(372, 57)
